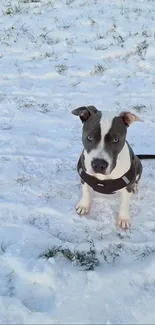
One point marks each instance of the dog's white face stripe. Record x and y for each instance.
(105, 127)
(99, 151)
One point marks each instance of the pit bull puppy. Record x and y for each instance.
(107, 155)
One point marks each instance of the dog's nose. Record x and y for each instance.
(99, 165)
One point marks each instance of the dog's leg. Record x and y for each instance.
(135, 188)
(83, 206)
(123, 216)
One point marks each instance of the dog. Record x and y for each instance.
(107, 156)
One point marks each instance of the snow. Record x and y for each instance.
(56, 56)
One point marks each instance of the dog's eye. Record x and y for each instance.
(115, 140)
(89, 138)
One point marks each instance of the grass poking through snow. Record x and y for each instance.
(89, 260)
(98, 69)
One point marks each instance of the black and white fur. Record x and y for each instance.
(107, 155)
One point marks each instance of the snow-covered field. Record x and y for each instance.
(56, 56)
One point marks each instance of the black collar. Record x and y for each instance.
(108, 186)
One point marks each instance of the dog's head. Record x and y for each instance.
(103, 137)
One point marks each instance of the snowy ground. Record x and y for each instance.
(54, 57)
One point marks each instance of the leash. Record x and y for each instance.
(146, 156)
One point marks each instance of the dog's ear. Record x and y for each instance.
(84, 112)
(129, 118)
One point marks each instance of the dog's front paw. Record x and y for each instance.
(82, 207)
(123, 222)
